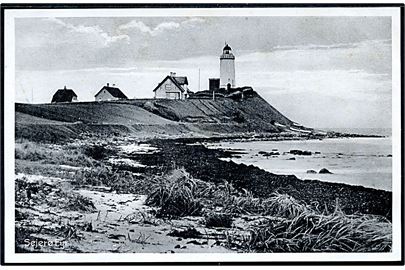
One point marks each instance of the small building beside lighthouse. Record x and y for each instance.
(172, 87)
(110, 93)
(64, 95)
(227, 68)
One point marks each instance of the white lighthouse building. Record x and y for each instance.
(227, 68)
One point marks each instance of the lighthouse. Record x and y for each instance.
(227, 68)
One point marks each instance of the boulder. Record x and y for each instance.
(311, 171)
(324, 171)
(300, 152)
(268, 154)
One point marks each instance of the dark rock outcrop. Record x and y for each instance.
(324, 171)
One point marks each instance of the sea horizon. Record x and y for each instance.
(361, 130)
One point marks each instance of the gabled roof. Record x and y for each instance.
(114, 91)
(181, 80)
(174, 80)
(63, 95)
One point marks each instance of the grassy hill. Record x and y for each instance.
(149, 117)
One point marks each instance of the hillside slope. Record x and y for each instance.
(254, 113)
(152, 117)
(92, 112)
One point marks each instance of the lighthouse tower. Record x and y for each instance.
(227, 68)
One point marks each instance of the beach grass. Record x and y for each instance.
(176, 194)
(284, 223)
(53, 154)
(314, 232)
(280, 222)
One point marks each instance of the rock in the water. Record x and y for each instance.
(311, 171)
(324, 171)
(292, 158)
(300, 152)
(268, 154)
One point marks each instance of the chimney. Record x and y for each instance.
(64, 87)
(108, 84)
(213, 84)
(172, 74)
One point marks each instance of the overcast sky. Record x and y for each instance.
(319, 71)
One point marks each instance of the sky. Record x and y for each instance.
(318, 71)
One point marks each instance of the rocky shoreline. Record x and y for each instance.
(205, 164)
(282, 136)
(170, 196)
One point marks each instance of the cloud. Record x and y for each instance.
(160, 28)
(380, 42)
(90, 30)
(274, 44)
(371, 55)
(192, 21)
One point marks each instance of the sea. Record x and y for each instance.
(355, 161)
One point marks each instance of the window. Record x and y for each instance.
(172, 95)
(168, 87)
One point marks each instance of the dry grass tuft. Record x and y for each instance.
(310, 231)
(283, 205)
(53, 154)
(176, 194)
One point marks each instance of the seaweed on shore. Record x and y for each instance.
(279, 223)
(205, 164)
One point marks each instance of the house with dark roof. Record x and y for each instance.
(110, 93)
(64, 95)
(172, 87)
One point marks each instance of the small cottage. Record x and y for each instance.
(110, 93)
(172, 87)
(64, 95)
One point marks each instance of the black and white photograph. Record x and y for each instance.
(202, 133)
